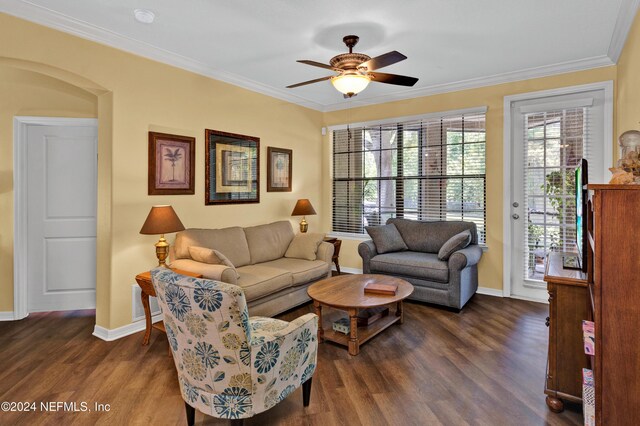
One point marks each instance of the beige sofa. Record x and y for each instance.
(271, 282)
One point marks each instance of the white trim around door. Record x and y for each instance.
(20, 298)
(607, 87)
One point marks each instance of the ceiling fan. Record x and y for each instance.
(355, 70)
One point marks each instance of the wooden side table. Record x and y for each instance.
(336, 251)
(144, 281)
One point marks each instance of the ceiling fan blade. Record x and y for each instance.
(318, 64)
(400, 80)
(309, 82)
(381, 61)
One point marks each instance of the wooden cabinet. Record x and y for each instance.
(614, 298)
(568, 306)
(609, 295)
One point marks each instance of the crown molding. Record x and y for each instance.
(26, 10)
(41, 15)
(626, 15)
(526, 74)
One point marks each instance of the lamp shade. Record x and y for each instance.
(303, 208)
(350, 83)
(161, 220)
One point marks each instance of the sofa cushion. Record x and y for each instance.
(303, 271)
(270, 241)
(386, 238)
(429, 237)
(229, 241)
(210, 256)
(453, 244)
(410, 263)
(259, 280)
(304, 246)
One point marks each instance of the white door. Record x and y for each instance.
(550, 137)
(61, 217)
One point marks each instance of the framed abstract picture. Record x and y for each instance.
(232, 164)
(279, 166)
(171, 164)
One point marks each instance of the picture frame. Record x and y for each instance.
(232, 168)
(171, 164)
(279, 169)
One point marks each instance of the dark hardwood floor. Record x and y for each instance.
(483, 366)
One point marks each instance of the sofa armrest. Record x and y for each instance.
(222, 273)
(325, 252)
(366, 250)
(467, 256)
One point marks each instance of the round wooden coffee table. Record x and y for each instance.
(346, 293)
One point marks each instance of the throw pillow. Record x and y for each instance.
(304, 246)
(455, 243)
(211, 256)
(387, 238)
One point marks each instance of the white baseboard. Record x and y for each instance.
(490, 291)
(348, 270)
(530, 299)
(7, 316)
(110, 335)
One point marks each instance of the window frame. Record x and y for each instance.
(403, 124)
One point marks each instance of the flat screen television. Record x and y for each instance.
(581, 212)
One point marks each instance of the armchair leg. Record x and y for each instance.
(306, 392)
(191, 414)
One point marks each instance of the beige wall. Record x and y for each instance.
(628, 102)
(490, 268)
(25, 93)
(136, 95)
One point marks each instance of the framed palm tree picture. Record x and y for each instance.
(279, 162)
(171, 164)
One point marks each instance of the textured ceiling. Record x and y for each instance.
(450, 44)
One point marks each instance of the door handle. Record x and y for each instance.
(515, 216)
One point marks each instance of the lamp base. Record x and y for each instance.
(162, 250)
(304, 226)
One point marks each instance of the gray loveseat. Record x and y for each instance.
(272, 282)
(449, 282)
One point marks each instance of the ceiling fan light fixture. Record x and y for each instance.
(350, 84)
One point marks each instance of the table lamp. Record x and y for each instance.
(303, 208)
(161, 220)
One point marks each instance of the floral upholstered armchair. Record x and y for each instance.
(230, 365)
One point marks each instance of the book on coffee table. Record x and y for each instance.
(381, 288)
(370, 315)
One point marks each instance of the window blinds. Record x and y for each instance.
(429, 169)
(555, 141)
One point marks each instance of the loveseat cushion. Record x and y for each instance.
(410, 263)
(259, 280)
(303, 271)
(229, 241)
(453, 244)
(429, 237)
(268, 242)
(386, 238)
